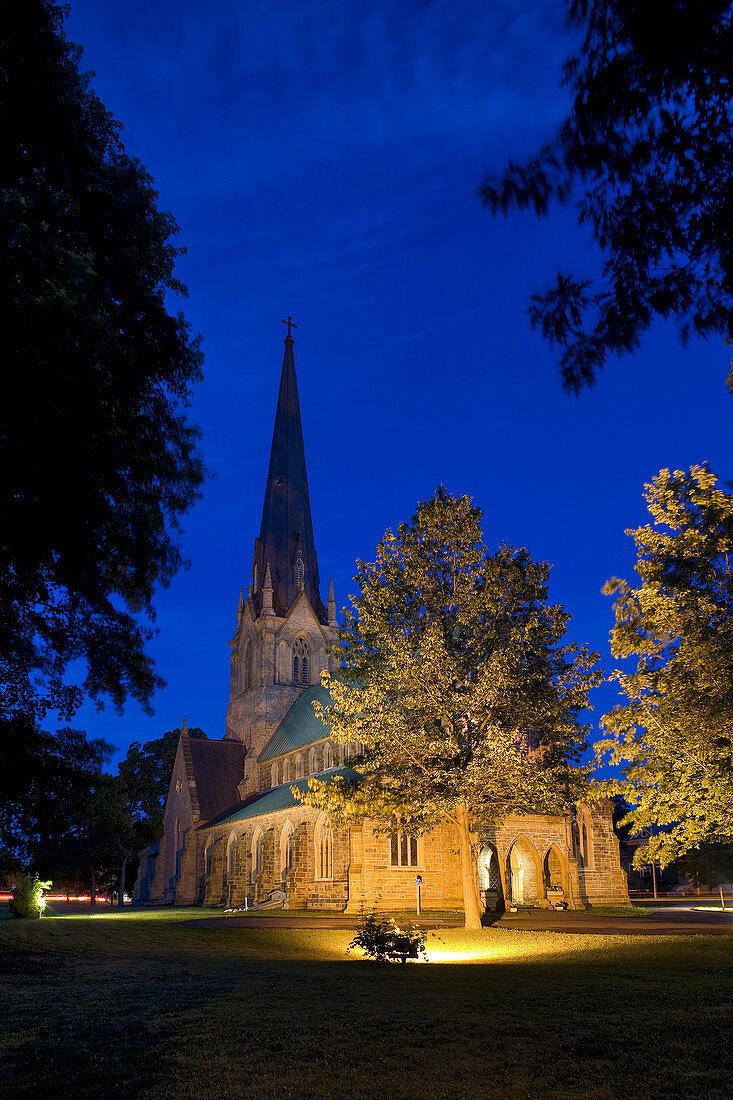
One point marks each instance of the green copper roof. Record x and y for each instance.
(279, 798)
(300, 725)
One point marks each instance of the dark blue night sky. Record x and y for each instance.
(322, 159)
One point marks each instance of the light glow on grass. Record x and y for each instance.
(473, 948)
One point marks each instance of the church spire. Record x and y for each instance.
(286, 534)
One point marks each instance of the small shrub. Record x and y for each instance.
(383, 941)
(27, 897)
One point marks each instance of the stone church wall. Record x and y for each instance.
(376, 884)
(580, 877)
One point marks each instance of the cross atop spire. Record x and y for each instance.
(291, 324)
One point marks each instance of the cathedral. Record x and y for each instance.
(234, 833)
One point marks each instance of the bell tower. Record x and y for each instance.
(284, 633)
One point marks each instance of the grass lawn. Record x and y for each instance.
(139, 1004)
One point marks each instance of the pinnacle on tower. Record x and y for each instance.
(331, 605)
(267, 592)
(286, 534)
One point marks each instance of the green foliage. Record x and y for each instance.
(675, 733)
(46, 782)
(27, 897)
(97, 459)
(707, 865)
(383, 941)
(645, 157)
(455, 681)
(136, 1001)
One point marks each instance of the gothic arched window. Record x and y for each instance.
(231, 856)
(258, 852)
(209, 856)
(245, 667)
(324, 849)
(299, 573)
(287, 849)
(301, 656)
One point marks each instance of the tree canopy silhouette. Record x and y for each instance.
(97, 458)
(646, 158)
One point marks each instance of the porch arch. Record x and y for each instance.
(524, 873)
(555, 870)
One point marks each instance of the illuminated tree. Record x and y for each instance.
(455, 683)
(675, 733)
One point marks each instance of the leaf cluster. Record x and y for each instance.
(455, 680)
(380, 939)
(97, 458)
(646, 158)
(675, 732)
(27, 897)
(46, 782)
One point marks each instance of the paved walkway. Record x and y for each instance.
(677, 920)
(261, 920)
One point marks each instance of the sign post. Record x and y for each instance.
(419, 884)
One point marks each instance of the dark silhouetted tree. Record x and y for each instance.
(646, 158)
(97, 458)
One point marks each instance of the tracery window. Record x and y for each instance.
(403, 850)
(488, 869)
(301, 656)
(299, 573)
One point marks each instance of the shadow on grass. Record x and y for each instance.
(162, 1011)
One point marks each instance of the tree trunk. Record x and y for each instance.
(92, 888)
(468, 884)
(121, 889)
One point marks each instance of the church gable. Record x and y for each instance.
(182, 802)
(217, 767)
(302, 647)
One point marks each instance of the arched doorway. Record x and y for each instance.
(522, 877)
(554, 878)
(489, 877)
